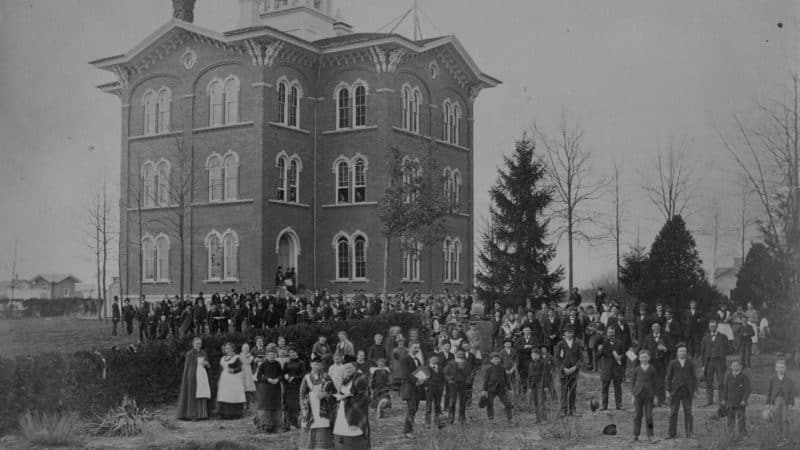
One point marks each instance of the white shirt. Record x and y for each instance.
(341, 427)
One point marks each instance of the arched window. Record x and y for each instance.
(343, 182)
(164, 102)
(230, 249)
(455, 260)
(360, 93)
(360, 257)
(414, 111)
(231, 100)
(148, 259)
(456, 188)
(446, 115)
(343, 108)
(215, 178)
(342, 258)
(406, 99)
(411, 253)
(446, 267)
(294, 106)
(448, 185)
(408, 178)
(360, 180)
(162, 183)
(282, 102)
(149, 106)
(455, 118)
(216, 104)
(291, 180)
(148, 199)
(280, 193)
(215, 256)
(231, 176)
(162, 258)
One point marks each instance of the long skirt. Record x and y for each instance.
(230, 410)
(202, 409)
(351, 442)
(316, 439)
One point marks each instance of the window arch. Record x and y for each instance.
(162, 245)
(342, 96)
(350, 176)
(148, 258)
(293, 103)
(360, 104)
(456, 194)
(455, 120)
(230, 250)
(282, 101)
(223, 101)
(216, 105)
(452, 259)
(215, 255)
(411, 259)
(342, 258)
(148, 190)
(359, 180)
(223, 255)
(288, 177)
(231, 100)
(289, 95)
(448, 184)
(359, 256)
(411, 99)
(163, 170)
(342, 168)
(231, 164)
(411, 176)
(164, 110)
(215, 177)
(149, 108)
(446, 250)
(446, 115)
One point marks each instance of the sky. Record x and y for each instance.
(633, 73)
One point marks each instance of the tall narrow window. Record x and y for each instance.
(408, 172)
(454, 120)
(216, 106)
(215, 261)
(291, 181)
(360, 181)
(162, 258)
(448, 186)
(446, 115)
(149, 105)
(360, 257)
(411, 261)
(148, 259)
(148, 197)
(162, 183)
(280, 193)
(446, 267)
(215, 178)
(455, 256)
(414, 120)
(360, 106)
(343, 182)
(230, 247)
(232, 100)
(406, 99)
(456, 188)
(294, 103)
(282, 102)
(164, 102)
(231, 176)
(343, 108)
(342, 258)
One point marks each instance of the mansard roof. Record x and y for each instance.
(264, 44)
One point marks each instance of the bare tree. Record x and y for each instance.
(619, 212)
(569, 173)
(101, 235)
(672, 189)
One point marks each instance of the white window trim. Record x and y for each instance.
(457, 182)
(209, 91)
(163, 128)
(288, 85)
(339, 87)
(207, 240)
(226, 234)
(225, 192)
(336, 238)
(456, 124)
(412, 257)
(353, 237)
(225, 120)
(149, 111)
(360, 83)
(411, 95)
(149, 238)
(158, 258)
(160, 202)
(287, 165)
(148, 201)
(218, 157)
(339, 160)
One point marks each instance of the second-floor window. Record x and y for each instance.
(452, 118)
(223, 98)
(288, 105)
(350, 179)
(157, 111)
(223, 176)
(288, 177)
(155, 184)
(411, 98)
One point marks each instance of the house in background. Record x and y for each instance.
(56, 285)
(22, 289)
(725, 277)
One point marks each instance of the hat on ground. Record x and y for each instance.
(610, 430)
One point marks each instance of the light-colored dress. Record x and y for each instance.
(203, 387)
(231, 385)
(341, 427)
(314, 397)
(247, 372)
(336, 372)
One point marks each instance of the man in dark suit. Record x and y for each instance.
(693, 329)
(641, 326)
(680, 384)
(535, 325)
(116, 315)
(612, 353)
(410, 389)
(568, 355)
(551, 327)
(523, 346)
(672, 327)
(643, 386)
(572, 321)
(659, 316)
(660, 348)
(713, 351)
(458, 374)
(128, 314)
(734, 395)
(621, 329)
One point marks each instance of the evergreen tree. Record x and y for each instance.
(633, 271)
(515, 254)
(674, 272)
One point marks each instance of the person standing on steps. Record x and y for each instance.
(680, 384)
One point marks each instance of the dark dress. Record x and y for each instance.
(189, 406)
(295, 369)
(268, 397)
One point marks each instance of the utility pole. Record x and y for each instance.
(14, 270)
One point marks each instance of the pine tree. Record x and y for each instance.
(515, 255)
(633, 271)
(674, 272)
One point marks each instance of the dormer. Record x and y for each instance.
(307, 19)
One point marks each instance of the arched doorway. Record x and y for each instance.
(287, 246)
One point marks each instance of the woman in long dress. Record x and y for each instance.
(351, 421)
(230, 394)
(315, 409)
(268, 391)
(195, 391)
(247, 374)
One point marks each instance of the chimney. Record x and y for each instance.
(342, 28)
(183, 10)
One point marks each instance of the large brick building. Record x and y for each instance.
(267, 146)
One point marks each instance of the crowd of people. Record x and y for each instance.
(327, 391)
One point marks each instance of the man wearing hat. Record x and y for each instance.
(659, 345)
(680, 384)
(612, 369)
(411, 390)
(568, 354)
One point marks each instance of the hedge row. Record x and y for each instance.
(152, 374)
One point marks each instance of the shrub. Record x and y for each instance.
(50, 429)
(127, 419)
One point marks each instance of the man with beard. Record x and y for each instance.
(660, 348)
(612, 370)
(713, 355)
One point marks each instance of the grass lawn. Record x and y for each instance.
(60, 334)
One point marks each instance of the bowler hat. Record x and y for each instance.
(610, 430)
